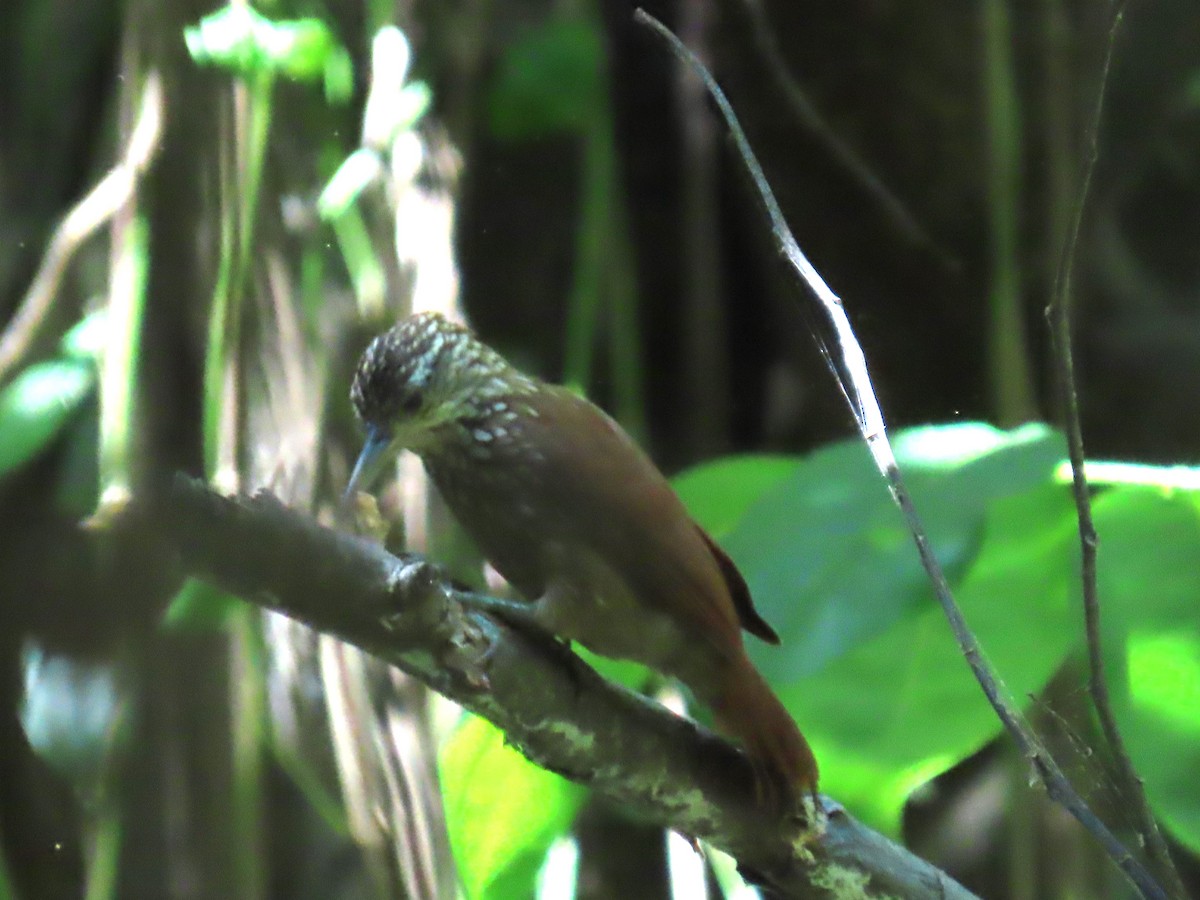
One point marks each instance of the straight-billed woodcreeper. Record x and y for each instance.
(580, 521)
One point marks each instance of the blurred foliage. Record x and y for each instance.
(549, 81)
(249, 44)
(71, 714)
(503, 811)
(39, 403)
(867, 665)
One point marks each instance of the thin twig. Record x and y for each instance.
(1058, 315)
(851, 370)
(101, 203)
(894, 209)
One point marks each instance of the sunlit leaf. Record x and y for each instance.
(1149, 589)
(87, 338)
(352, 177)
(868, 665)
(37, 404)
(826, 553)
(502, 811)
(903, 707)
(1106, 472)
(718, 493)
(247, 43)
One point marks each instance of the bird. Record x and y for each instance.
(582, 524)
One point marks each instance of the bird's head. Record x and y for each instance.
(425, 373)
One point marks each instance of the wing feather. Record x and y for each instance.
(614, 501)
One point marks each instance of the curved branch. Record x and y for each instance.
(550, 704)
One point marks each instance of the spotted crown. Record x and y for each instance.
(431, 367)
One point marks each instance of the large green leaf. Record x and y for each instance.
(718, 493)
(826, 553)
(245, 42)
(868, 664)
(1149, 588)
(903, 706)
(502, 811)
(37, 405)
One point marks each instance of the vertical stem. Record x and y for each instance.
(705, 363)
(1012, 394)
(223, 410)
(248, 710)
(118, 381)
(583, 311)
(104, 852)
(1058, 315)
(1060, 120)
(218, 353)
(629, 379)
(7, 890)
(603, 267)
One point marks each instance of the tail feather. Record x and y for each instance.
(749, 711)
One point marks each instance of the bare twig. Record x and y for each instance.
(101, 203)
(551, 705)
(894, 209)
(1058, 316)
(850, 368)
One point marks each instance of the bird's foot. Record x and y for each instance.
(525, 618)
(516, 613)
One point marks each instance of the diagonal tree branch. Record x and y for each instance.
(550, 704)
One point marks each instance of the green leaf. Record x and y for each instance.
(36, 406)
(87, 338)
(868, 666)
(352, 177)
(337, 76)
(718, 493)
(549, 82)
(502, 811)
(412, 103)
(1149, 589)
(903, 707)
(627, 673)
(826, 553)
(241, 40)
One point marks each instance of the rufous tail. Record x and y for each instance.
(749, 711)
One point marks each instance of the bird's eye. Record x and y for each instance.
(411, 403)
